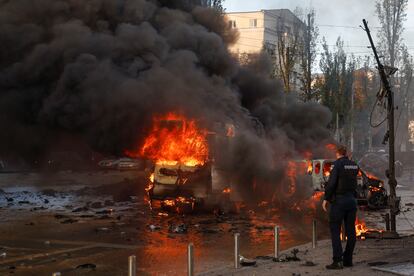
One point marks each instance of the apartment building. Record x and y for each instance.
(264, 30)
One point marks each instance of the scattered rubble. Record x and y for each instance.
(178, 229)
(292, 257)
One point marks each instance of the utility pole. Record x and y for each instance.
(309, 60)
(352, 115)
(392, 182)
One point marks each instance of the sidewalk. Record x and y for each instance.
(366, 252)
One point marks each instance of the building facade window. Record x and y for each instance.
(253, 23)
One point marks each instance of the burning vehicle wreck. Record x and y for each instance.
(370, 190)
(186, 174)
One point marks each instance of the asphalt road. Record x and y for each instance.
(66, 222)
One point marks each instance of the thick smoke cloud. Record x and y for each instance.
(99, 70)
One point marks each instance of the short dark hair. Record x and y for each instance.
(341, 149)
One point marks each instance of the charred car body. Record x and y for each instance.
(186, 176)
(370, 191)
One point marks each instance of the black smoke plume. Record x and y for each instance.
(99, 70)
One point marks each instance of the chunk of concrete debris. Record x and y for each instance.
(246, 262)
(153, 227)
(292, 257)
(178, 229)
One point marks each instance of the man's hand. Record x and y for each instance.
(325, 205)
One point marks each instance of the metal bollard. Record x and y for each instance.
(132, 265)
(190, 260)
(314, 234)
(276, 242)
(236, 250)
(387, 221)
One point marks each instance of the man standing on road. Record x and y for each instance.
(340, 192)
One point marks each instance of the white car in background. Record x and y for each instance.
(120, 164)
(108, 164)
(128, 164)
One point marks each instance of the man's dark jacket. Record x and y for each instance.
(342, 180)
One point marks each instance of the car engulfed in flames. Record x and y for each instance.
(184, 175)
(370, 190)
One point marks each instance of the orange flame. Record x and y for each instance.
(291, 177)
(327, 167)
(169, 202)
(310, 167)
(330, 147)
(174, 139)
(226, 191)
(314, 201)
(360, 228)
(371, 176)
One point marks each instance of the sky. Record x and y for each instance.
(332, 16)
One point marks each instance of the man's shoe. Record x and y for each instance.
(348, 264)
(335, 265)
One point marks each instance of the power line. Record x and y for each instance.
(318, 25)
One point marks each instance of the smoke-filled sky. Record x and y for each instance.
(99, 70)
(337, 13)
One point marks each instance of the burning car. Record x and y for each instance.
(371, 190)
(185, 175)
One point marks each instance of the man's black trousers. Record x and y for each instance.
(343, 209)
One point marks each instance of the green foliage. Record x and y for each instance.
(392, 15)
(338, 75)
